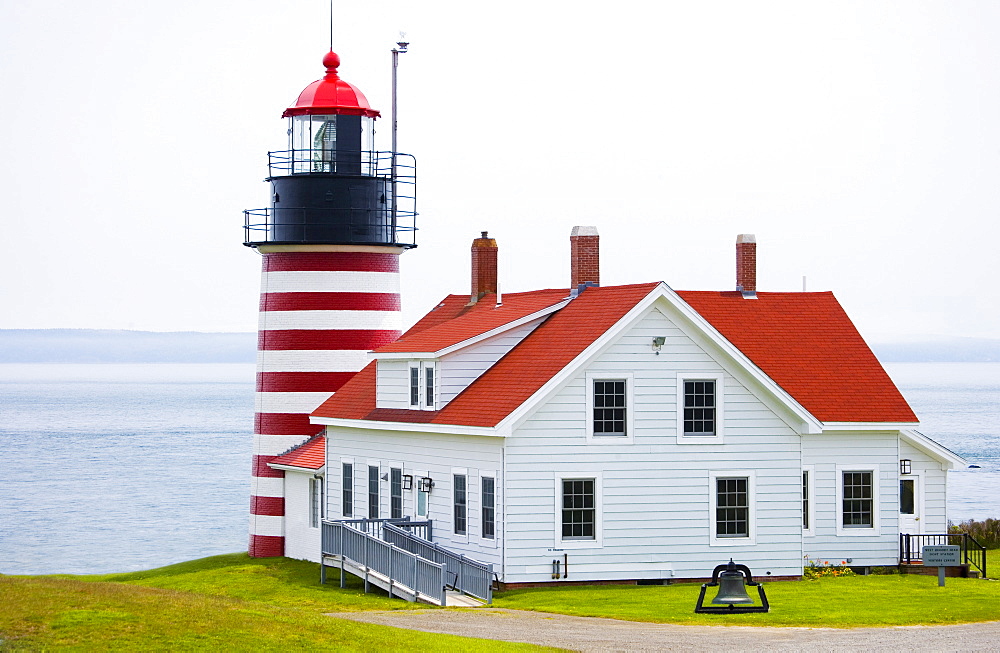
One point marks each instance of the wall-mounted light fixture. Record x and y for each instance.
(425, 484)
(407, 481)
(658, 343)
(905, 466)
(385, 477)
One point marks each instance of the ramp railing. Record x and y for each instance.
(463, 574)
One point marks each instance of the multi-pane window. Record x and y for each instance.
(396, 493)
(373, 492)
(805, 500)
(578, 509)
(609, 407)
(315, 501)
(857, 500)
(907, 496)
(429, 386)
(461, 507)
(414, 386)
(699, 408)
(489, 507)
(347, 490)
(732, 507)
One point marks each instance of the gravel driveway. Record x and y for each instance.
(592, 634)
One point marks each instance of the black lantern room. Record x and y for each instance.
(330, 187)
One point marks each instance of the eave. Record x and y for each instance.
(412, 427)
(948, 458)
(868, 426)
(301, 470)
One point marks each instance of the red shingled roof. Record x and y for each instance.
(806, 343)
(803, 341)
(311, 454)
(453, 320)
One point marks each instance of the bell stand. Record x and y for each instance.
(732, 608)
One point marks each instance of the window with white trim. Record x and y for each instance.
(857, 500)
(396, 493)
(423, 385)
(733, 509)
(315, 501)
(373, 493)
(699, 407)
(461, 499)
(489, 507)
(422, 496)
(808, 500)
(579, 509)
(347, 489)
(609, 408)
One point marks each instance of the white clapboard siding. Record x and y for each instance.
(861, 451)
(933, 483)
(456, 371)
(656, 496)
(433, 455)
(302, 540)
(392, 385)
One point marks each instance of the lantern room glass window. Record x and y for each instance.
(331, 143)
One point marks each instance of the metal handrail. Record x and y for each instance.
(973, 553)
(419, 575)
(465, 574)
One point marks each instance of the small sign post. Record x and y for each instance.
(942, 556)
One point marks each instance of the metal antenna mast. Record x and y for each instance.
(401, 47)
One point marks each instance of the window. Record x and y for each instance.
(373, 492)
(858, 499)
(808, 500)
(347, 490)
(461, 498)
(609, 407)
(315, 501)
(805, 500)
(609, 413)
(415, 386)
(907, 496)
(578, 509)
(423, 385)
(699, 408)
(396, 493)
(732, 508)
(732, 517)
(421, 501)
(489, 507)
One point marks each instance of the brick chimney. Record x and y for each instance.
(746, 263)
(484, 266)
(585, 257)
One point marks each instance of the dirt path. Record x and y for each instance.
(591, 634)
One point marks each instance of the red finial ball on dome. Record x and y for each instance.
(332, 61)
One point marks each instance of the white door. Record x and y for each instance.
(910, 503)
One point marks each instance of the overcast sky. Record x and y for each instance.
(859, 141)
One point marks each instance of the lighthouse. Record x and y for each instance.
(340, 215)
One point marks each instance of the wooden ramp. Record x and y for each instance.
(453, 599)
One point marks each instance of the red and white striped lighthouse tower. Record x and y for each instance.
(330, 245)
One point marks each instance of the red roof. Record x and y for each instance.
(454, 320)
(806, 343)
(331, 95)
(516, 376)
(311, 454)
(803, 341)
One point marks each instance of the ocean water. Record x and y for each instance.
(121, 467)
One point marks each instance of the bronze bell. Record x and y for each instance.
(732, 588)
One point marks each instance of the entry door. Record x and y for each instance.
(910, 500)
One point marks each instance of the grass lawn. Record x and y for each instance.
(845, 602)
(229, 602)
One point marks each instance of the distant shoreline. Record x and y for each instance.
(120, 346)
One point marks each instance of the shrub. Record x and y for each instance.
(986, 532)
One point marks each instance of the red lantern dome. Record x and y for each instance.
(331, 95)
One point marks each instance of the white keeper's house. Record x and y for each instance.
(625, 433)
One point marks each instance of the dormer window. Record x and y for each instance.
(423, 385)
